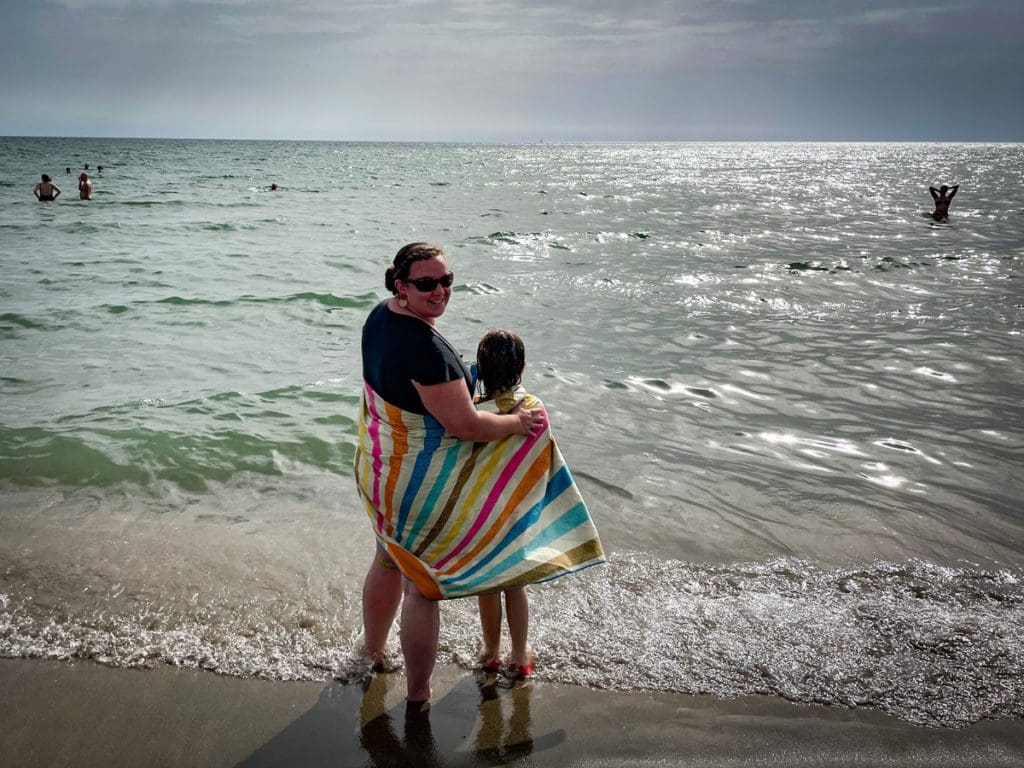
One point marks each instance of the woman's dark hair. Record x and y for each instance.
(405, 258)
(45, 177)
(500, 361)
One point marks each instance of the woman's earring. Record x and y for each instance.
(402, 302)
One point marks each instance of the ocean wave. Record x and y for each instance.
(520, 246)
(212, 226)
(87, 452)
(179, 301)
(11, 321)
(13, 324)
(932, 645)
(148, 203)
(328, 300)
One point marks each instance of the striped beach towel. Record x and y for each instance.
(462, 518)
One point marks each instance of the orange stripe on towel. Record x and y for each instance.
(415, 571)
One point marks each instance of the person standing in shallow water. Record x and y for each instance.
(46, 191)
(415, 369)
(84, 187)
(500, 362)
(942, 196)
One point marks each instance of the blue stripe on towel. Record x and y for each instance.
(434, 433)
(574, 518)
(558, 484)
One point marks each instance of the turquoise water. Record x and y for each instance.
(791, 399)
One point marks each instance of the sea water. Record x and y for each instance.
(791, 399)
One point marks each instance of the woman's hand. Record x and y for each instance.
(532, 421)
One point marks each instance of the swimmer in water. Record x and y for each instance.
(84, 187)
(942, 196)
(46, 191)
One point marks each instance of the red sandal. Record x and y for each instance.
(521, 671)
(490, 665)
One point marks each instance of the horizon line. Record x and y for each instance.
(539, 140)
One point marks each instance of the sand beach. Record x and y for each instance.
(83, 714)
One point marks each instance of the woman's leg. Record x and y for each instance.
(421, 621)
(517, 606)
(382, 591)
(490, 624)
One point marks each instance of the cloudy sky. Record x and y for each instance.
(514, 70)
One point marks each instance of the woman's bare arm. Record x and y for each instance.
(451, 405)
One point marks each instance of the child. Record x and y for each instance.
(500, 361)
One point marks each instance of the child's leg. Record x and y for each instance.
(518, 606)
(490, 624)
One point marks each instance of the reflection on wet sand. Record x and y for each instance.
(497, 738)
(482, 721)
(377, 734)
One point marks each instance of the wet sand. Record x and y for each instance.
(83, 714)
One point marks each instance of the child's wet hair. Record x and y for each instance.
(500, 361)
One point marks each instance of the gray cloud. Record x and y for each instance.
(519, 68)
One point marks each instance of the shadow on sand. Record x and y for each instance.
(478, 723)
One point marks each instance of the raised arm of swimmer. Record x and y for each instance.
(944, 193)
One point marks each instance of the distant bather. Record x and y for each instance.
(942, 196)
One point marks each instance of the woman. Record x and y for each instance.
(410, 365)
(84, 187)
(942, 196)
(46, 191)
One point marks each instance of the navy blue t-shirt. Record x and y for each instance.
(398, 349)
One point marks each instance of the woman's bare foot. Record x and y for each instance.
(382, 661)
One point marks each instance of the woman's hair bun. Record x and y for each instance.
(389, 280)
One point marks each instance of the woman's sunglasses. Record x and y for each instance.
(427, 284)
